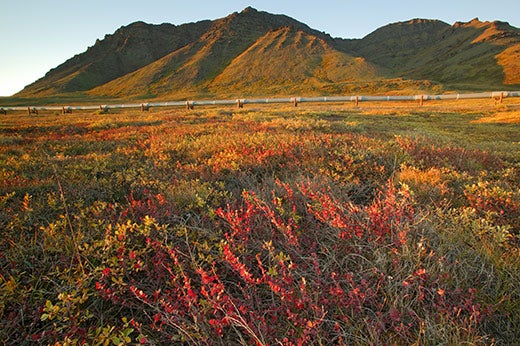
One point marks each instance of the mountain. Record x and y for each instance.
(474, 52)
(464, 54)
(396, 45)
(258, 53)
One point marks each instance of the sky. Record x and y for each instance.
(38, 35)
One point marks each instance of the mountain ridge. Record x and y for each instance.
(254, 52)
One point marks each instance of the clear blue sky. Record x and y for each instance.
(37, 35)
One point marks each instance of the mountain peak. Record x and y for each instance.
(139, 23)
(475, 22)
(421, 21)
(249, 9)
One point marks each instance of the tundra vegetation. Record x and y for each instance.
(267, 226)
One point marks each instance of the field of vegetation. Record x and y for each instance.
(314, 225)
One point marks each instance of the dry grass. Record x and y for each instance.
(505, 117)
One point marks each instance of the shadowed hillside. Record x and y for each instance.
(129, 48)
(396, 45)
(258, 53)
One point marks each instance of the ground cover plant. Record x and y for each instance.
(268, 226)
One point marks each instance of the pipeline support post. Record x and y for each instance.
(240, 104)
(145, 107)
(189, 105)
(499, 99)
(32, 110)
(66, 110)
(3, 111)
